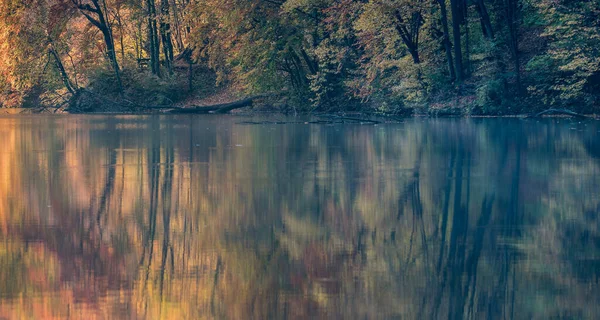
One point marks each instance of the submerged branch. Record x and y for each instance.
(560, 112)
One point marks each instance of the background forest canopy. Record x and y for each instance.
(474, 56)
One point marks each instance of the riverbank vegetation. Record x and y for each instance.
(391, 56)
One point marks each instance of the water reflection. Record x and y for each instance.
(203, 217)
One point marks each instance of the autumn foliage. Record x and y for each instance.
(483, 56)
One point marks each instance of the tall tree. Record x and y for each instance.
(409, 30)
(512, 20)
(165, 34)
(153, 37)
(61, 69)
(484, 17)
(456, 30)
(96, 14)
(177, 21)
(446, 39)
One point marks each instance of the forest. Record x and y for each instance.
(440, 57)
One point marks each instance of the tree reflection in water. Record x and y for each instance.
(201, 217)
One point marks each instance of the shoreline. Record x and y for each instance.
(368, 117)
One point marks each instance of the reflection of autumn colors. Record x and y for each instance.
(165, 217)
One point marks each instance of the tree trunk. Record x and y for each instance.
(486, 25)
(410, 34)
(112, 56)
(61, 70)
(217, 108)
(178, 37)
(121, 34)
(465, 20)
(313, 66)
(190, 76)
(139, 39)
(102, 24)
(447, 43)
(456, 21)
(512, 8)
(165, 34)
(297, 63)
(415, 56)
(153, 38)
(187, 56)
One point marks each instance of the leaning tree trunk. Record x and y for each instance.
(61, 69)
(486, 25)
(100, 22)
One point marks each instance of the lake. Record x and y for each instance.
(225, 217)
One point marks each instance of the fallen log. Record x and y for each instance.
(219, 108)
(560, 112)
(342, 118)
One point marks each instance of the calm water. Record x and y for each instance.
(157, 217)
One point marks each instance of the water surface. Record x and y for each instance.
(167, 217)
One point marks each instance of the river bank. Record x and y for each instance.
(208, 98)
(356, 117)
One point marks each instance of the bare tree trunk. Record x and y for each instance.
(138, 40)
(512, 8)
(447, 43)
(165, 34)
(120, 23)
(465, 20)
(153, 38)
(178, 37)
(456, 21)
(486, 25)
(61, 69)
(112, 56)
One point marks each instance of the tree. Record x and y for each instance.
(512, 21)
(486, 24)
(446, 39)
(96, 14)
(165, 34)
(153, 37)
(457, 20)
